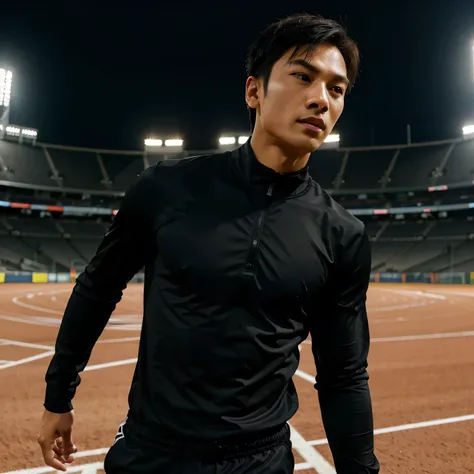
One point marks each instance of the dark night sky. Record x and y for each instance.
(106, 77)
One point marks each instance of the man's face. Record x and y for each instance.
(303, 101)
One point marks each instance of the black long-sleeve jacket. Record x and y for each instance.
(241, 265)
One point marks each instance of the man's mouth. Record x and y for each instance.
(315, 125)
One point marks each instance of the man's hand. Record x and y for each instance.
(55, 439)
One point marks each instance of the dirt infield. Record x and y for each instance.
(421, 367)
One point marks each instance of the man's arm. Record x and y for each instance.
(340, 342)
(123, 251)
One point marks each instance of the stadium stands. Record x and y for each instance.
(56, 245)
(395, 167)
(325, 167)
(363, 178)
(460, 166)
(122, 169)
(433, 246)
(24, 164)
(416, 166)
(365, 169)
(77, 168)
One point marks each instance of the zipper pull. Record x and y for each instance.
(270, 189)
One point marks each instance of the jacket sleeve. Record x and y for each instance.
(340, 344)
(123, 251)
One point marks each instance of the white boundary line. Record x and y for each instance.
(92, 468)
(399, 307)
(110, 364)
(310, 455)
(56, 322)
(9, 342)
(309, 378)
(50, 352)
(418, 337)
(91, 452)
(28, 359)
(120, 339)
(411, 426)
(84, 468)
(48, 322)
(36, 308)
(456, 293)
(52, 311)
(301, 466)
(425, 294)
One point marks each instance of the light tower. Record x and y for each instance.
(468, 129)
(6, 78)
(10, 131)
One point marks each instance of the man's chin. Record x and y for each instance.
(310, 145)
(300, 146)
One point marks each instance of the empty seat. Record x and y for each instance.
(365, 169)
(415, 165)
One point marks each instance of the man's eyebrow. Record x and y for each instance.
(310, 67)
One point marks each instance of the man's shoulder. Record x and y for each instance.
(164, 170)
(189, 164)
(169, 180)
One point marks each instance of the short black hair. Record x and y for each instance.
(299, 31)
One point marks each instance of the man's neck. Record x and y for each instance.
(273, 156)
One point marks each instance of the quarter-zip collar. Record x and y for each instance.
(253, 173)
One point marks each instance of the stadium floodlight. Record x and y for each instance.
(13, 130)
(174, 142)
(152, 142)
(6, 78)
(468, 130)
(333, 138)
(232, 139)
(227, 140)
(19, 134)
(28, 132)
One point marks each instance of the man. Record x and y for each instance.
(244, 257)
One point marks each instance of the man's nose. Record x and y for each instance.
(318, 98)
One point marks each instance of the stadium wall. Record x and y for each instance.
(458, 278)
(36, 277)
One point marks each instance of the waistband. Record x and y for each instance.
(214, 450)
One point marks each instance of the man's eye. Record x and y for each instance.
(302, 76)
(338, 90)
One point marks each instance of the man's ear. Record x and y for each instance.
(252, 92)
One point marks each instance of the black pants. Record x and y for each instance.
(270, 455)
